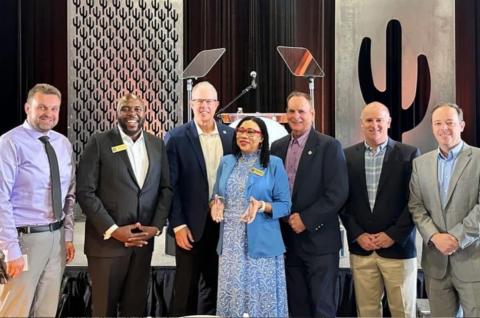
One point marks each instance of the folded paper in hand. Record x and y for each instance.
(3, 270)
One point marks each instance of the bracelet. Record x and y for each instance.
(262, 208)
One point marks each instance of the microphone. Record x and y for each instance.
(253, 75)
(253, 85)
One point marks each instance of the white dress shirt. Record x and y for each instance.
(212, 150)
(138, 156)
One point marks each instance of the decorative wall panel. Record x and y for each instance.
(121, 46)
(401, 53)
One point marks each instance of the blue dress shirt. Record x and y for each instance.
(445, 166)
(25, 194)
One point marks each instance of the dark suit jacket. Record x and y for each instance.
(390, 213)
(108, 192)
(188, 175)
(319, 192)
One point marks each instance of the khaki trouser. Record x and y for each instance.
(373, 273)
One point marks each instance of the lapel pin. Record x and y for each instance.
(224, 132)
(309, 152)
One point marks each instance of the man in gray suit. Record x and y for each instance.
(444, 202)
(123, 187)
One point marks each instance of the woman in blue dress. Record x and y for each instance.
(251, 194)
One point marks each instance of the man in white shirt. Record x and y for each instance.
(123, 187)
(194, 152)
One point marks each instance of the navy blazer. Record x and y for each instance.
(390, 213)
(188, 176)
(319, 193)
(263, 234)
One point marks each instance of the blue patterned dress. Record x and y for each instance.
(255, 286)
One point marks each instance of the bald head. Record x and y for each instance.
(375, 121)
(204, 88)
(374, 107)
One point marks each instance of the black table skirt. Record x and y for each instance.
(75, 299)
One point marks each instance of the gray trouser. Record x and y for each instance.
(446, 295)
(35, 292)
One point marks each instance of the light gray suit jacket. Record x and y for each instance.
(460, 217)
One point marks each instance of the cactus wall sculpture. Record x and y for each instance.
(402, 119)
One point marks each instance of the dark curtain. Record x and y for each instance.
(12, 109)
(251, 31)
(44, 49)
(35, 36)
(75, 299)
(467, 50)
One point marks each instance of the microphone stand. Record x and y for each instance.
(311, 88)
(244, 91)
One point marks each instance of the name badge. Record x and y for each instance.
(258, 172)
(119, 148)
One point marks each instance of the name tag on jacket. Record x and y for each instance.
(258, 172)
(119, 148)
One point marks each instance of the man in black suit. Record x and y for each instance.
(123, 187)
(380, 230)
(318, 180)
(194, 152)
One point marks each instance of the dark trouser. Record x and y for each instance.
(311, 284)
(120, 281)
(202, 260)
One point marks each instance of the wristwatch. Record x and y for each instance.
(262, 207)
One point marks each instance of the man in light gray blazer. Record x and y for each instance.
(444, 202)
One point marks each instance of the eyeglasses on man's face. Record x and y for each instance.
(201, 101)
(248, 131)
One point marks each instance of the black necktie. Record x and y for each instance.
(55, 178)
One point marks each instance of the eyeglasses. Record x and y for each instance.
(249, 131)
(201, 101)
